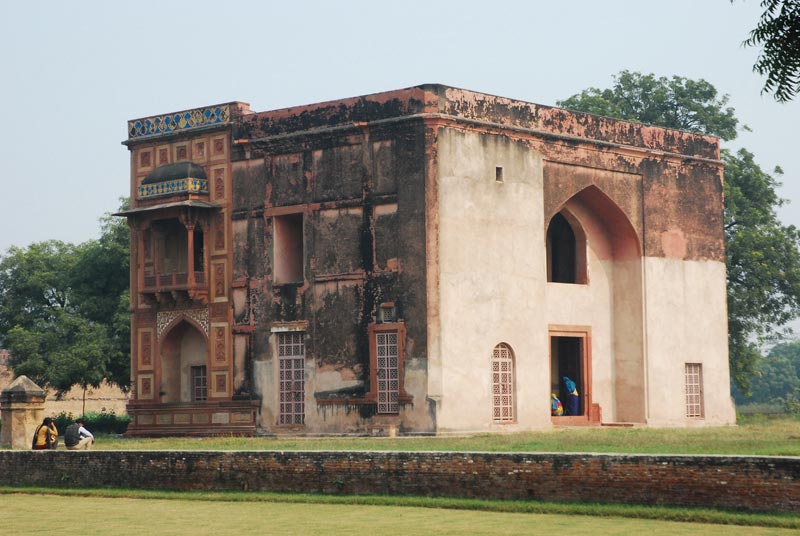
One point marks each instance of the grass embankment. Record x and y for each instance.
(754, 436)
(201, 513)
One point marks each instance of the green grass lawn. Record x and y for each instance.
(754, 436)
(190, 514)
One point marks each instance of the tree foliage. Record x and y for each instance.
(763, 261)
(675, 102)
(778, 35)
(762, 255)
(777, 376)
(64, 310)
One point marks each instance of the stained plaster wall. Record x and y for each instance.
(361, 194)
(686, 323)
(684, 282)
(491, 269)
(484, 233)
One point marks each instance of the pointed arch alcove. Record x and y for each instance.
(592, 242)
(184, 357)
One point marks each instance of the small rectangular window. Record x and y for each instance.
(694, 390)
(498, 174)
(288, 249)
(387, 313)
(199, 384)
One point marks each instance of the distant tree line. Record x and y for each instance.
(64, 310)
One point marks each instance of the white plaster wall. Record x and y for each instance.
(628, 374)
(686, 321)
(492, 269)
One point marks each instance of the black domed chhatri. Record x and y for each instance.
(176, 171)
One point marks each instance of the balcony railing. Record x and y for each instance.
(173, 281)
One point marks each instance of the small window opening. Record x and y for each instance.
(566, 374)
(288, 244)
(199, 251)
(562, 251)
(498, 174)
(387, 313)
(694, 390)
(199, 385)
(172, 248)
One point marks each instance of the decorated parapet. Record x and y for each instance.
(178, 186)
(179, 121)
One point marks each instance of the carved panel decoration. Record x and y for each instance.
(219, 283)
(144, 388)
(218, 147)
(219, 231)
(219, 333)
(163, 156)
(146, 159)
(145, 349)
(218, 183)
(219, 311)
(219, 384)
(165, 318)
(181, 152)
(200, 150)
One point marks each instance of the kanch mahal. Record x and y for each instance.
(429, 260)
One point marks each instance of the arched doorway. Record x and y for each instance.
(601, 249)
(183, 364)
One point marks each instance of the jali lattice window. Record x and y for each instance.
(694, 390)
(199, 384)
(291, 389)
(388, 372)
(502, 384)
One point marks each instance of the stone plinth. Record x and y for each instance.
(21, 410)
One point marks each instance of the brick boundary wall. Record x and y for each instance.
(744, 483)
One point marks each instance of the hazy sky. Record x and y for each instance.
(73, 73)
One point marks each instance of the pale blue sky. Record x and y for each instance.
(73, 73)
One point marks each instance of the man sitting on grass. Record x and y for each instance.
(76, 437)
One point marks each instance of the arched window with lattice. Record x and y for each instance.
(503, 384)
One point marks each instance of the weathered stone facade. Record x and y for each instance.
(362, 265)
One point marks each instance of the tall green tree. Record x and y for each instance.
(762, 255)
(778, 36)
(64, 310)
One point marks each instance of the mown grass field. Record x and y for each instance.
(778, 436)
(213, 514)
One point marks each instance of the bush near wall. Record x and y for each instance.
(104, 422)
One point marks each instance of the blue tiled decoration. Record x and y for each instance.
(177, 186)
(178, 122)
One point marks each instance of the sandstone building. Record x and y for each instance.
(429, 260)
